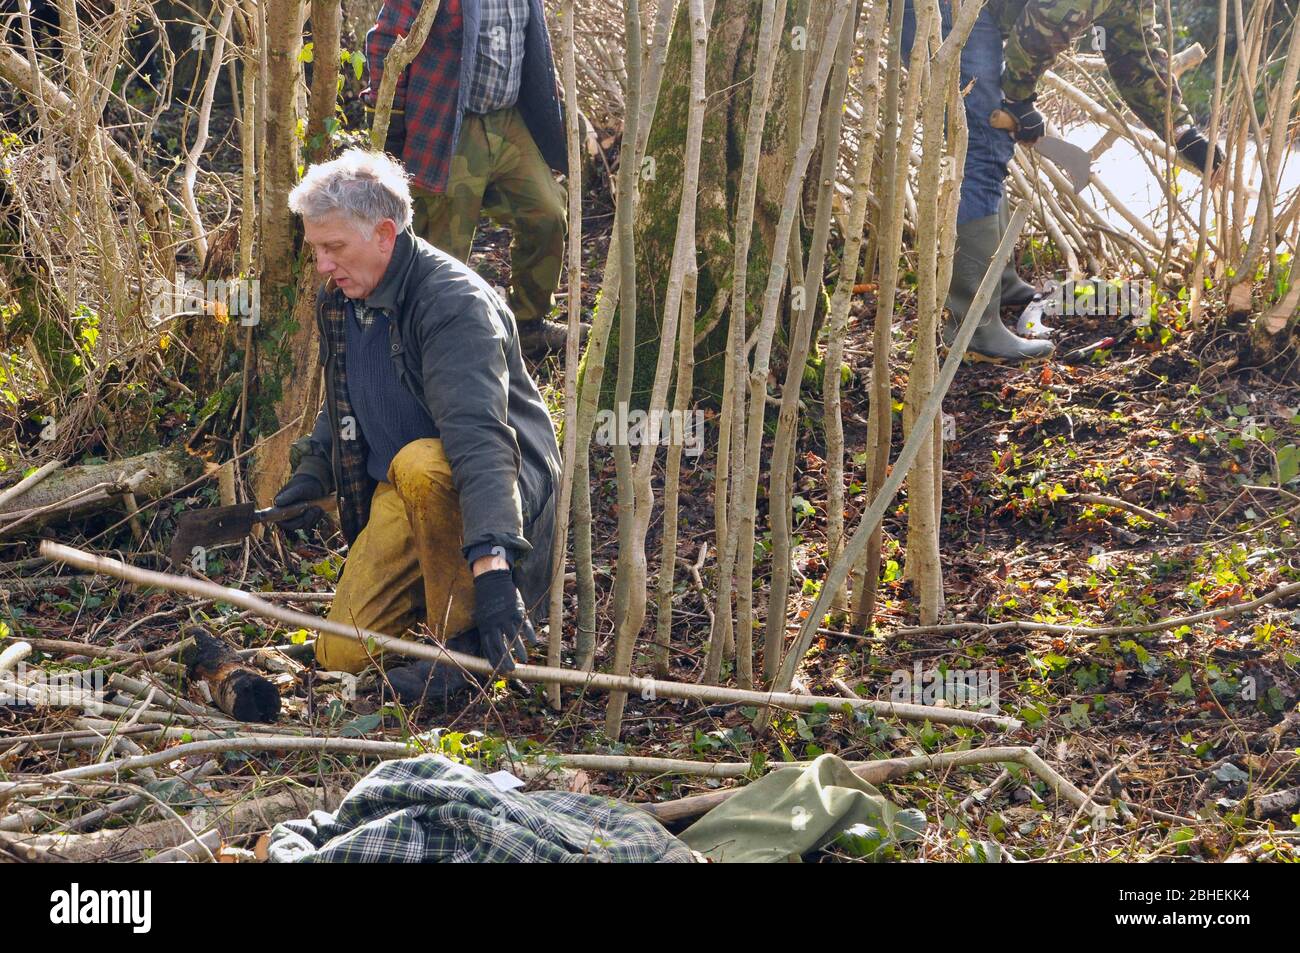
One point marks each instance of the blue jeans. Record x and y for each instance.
(988, 150)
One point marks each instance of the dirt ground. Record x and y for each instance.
(1188, 724)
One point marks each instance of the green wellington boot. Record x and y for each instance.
(1016, 292)
(977, 240)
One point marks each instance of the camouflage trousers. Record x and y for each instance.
(498, 171)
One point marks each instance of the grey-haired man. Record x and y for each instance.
(433, 435)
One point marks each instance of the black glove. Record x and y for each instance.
(1029, 121)
(501, 619)
(1195, 148)
(300, 488)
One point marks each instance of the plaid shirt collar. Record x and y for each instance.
(365, 316)
(354, 485)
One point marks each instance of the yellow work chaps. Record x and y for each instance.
(406, 566)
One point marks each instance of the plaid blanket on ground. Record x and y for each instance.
(432, 810)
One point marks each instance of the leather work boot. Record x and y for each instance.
(424, 682)
(540, 338)
(977, 240)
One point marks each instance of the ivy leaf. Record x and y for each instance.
(909, 824)
(360, 726)
(860, 840)
(985, 852)
(802, 729)
(1288, 464)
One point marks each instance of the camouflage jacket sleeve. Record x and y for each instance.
(1129, 41)
(1042, 31)
(1140, 67)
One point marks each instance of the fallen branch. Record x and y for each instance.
(1278, 802)
(151, 659)
(1118, 503)
(355, 746)
(14, 654)
(122, 706)
(29, 481)
(229, 821)
(41, 583)
(79, 502)
(164, 471)
(195, 850)
(9, 742)
(96, 818)
(139, 688)
(645, 687)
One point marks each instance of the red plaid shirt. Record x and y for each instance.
(428, 92)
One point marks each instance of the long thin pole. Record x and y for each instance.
(906, 457)
(647, 688)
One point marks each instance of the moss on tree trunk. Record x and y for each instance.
(733, 34)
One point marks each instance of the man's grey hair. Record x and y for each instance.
(366, 186)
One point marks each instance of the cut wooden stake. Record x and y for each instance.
(237, 688)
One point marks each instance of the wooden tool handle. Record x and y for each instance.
(274, 514)
(1001, 119)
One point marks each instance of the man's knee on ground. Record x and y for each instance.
(335, 653)
(420, 470)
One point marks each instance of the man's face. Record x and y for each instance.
(356, 263)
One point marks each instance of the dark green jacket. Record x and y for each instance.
(1037, 31)
(455, 346)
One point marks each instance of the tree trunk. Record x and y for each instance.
(733, 32)
(287, 373)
